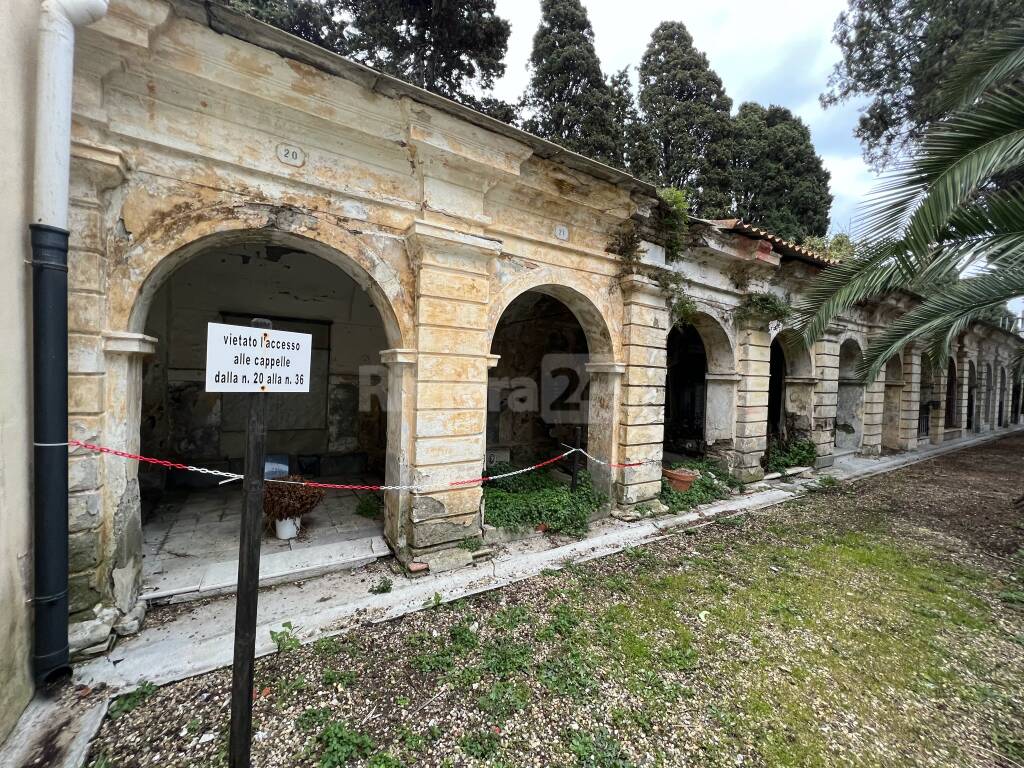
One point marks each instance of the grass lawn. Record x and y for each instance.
(875, 624)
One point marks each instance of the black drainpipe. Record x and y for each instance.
(50, 415)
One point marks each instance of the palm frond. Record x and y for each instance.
(943, 314)
(1000, 60)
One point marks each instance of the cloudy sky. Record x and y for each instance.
(770, 51)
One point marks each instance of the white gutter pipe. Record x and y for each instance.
(49, 234)
(57, 24)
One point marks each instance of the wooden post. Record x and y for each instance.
(248, 577)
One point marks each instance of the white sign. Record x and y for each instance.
(240, 358)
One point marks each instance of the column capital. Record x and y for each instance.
(398, 356)
(613, 369)
(125, 343)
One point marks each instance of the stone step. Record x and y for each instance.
(291, 565)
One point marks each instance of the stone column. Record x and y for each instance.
(401, 387)
(874, 405)
(910, 401)
(937, 431)
(605, 415)
(450, 415)
(641, 428)
(91, 518)
(826, 397)
(122, 562)
(963, 380)
(753, 357)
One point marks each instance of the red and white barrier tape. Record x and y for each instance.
(232, 476)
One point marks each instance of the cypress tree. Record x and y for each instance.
(779, 181)
(688, 113)
(568, 100)
(634, 148)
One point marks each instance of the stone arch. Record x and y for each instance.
(700, 384)
(790, 388)
(599, 370)
(593, 313)
(892, 403)
(148, 262)
(140, 270)
(850, 398)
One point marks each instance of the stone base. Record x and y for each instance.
(95, 636)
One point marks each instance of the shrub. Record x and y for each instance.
(339, 744)
(763, 306)
(533, 499)
(779, 455)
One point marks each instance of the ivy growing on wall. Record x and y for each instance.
(762, 305)
(670, 222)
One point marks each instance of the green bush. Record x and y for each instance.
(536, 498)
(339, 744)
(782, 455)
(761, 305)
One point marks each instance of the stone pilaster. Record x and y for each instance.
(753, 359)
(604, 419)
(874, 407)
(826, 394)
(910, 400)
(937, 431)
(401, 409)
(450, 413)
(94, 170)
(641, 427)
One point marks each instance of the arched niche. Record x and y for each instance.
(892, 404)
(850, 398)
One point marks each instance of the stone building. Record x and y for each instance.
(222, 169)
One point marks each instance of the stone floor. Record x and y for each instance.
(190, 543)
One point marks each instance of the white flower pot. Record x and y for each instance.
(287, 529)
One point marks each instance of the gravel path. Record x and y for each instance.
(880, 623)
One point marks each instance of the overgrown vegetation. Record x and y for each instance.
(122, 705)
(712, 484)
(764, 306)
(370, 505)
(781, 455)
(536, 500)
(673, 215)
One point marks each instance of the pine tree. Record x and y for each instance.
(688, 114)
(779, 182)
(568, 100)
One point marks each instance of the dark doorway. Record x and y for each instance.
(685, 391)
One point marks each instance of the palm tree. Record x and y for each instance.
(948, 223)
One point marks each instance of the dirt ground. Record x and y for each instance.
(879, 623)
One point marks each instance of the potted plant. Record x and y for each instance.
(284, 504)
(680, 478)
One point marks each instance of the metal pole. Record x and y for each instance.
(50, 434)
(248, 577)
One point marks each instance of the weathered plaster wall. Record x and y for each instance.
(17, 79)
